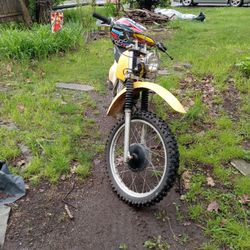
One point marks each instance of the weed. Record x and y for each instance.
(195, 212)
(83, 171)
(123, 246)
(242, 185)
(161, 215)
(179, 215)
(8, 144)
(157, 243)
(195, 111)
(183, 239)
(209, 246)
(223, 174)
(244, 66)
(230, 232)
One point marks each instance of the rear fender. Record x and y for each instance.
(116, 106)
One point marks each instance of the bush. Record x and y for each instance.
(39, 42)
(80, 15)
(245, 66)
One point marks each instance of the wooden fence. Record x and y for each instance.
(10, 10)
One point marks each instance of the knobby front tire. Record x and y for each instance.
(147, 180)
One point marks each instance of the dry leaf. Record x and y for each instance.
(119, 161)
(213, 206)
(210, 181)
(186, 176)
(21, 107)
(9, 68)
(73, 169)
(21, 163)
(244, 199)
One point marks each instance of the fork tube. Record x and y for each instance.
(127, 135)
(128, 109)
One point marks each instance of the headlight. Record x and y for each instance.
(152, 62)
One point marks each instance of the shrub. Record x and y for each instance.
(80, 15)
(39, 42)
(245, 66)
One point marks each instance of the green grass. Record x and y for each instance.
(207, 141)
(51, 121)
(39, 42)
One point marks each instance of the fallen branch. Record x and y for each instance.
(68, 212)
(146, 16)
(65, 197)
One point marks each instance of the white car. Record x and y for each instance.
(234, 3)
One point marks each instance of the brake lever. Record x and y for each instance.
(162, 48)
(171, 58)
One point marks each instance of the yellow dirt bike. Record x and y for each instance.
(142, 156)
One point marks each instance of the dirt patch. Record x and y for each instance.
(101, 220)
(231, 101)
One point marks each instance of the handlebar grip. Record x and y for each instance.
(102, 18)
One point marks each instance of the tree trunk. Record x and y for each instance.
(26, 14)
(43, 8)
(147, 4)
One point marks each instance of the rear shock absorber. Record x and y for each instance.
(144, 100)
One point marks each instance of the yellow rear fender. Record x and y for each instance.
(117, 104)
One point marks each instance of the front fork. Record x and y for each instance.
(128, 109)
(128, 112)
(127, 155)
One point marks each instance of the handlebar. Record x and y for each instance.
(106, 20)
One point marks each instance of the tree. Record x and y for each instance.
(40, 9)
(147, 4)
(25, 11)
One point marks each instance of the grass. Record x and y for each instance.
(51, 121)
(39, 42)
(208, 141)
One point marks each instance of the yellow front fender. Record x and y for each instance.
(117, 103)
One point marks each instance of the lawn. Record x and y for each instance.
(216, 130)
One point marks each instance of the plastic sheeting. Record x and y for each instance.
(174, 14)
(11, 187)
(4, 215)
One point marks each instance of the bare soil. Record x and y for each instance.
(101, 220)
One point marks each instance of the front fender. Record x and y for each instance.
(117, 104)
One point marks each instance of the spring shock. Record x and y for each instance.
(129, 95)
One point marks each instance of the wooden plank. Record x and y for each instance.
(11, 15)
(10, 10)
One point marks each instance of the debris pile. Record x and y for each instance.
(146, 16)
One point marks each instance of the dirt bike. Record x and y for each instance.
(142, 156)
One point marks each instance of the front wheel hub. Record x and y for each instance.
(140, 157)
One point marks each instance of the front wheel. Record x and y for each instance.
(148, 176)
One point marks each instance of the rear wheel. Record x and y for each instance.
(236, 3)
(150, 174)
(187, 2)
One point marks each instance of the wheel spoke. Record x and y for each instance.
(134, 136)
(152, 165)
